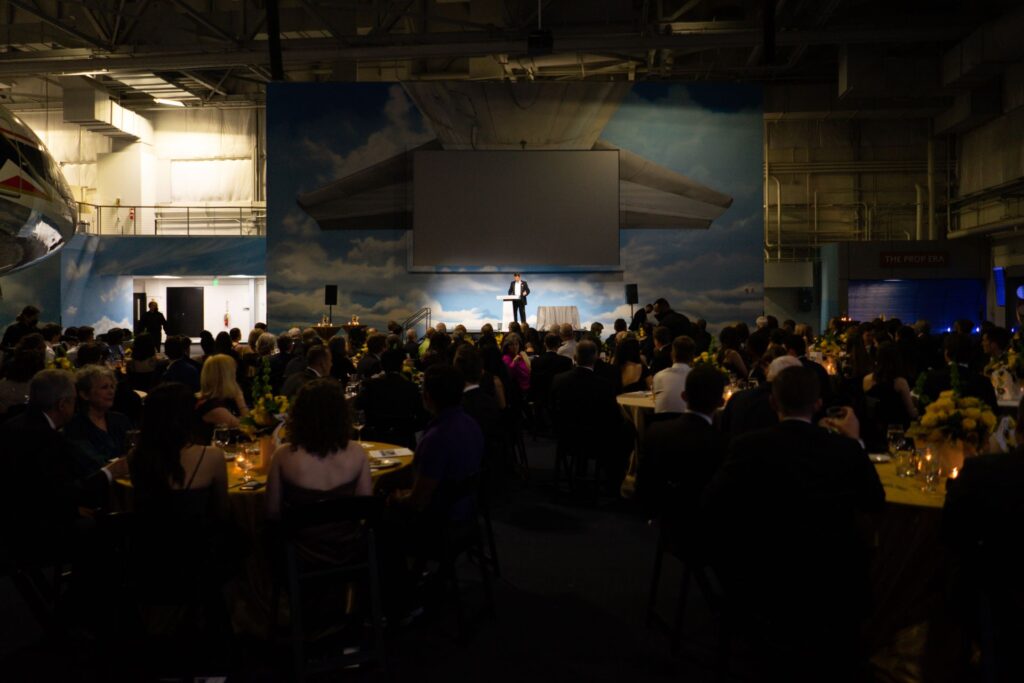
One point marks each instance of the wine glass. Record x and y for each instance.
(244, 462)
(931, 471)
(358, 422)
(131, 440)
(894, 437)
(221, 436)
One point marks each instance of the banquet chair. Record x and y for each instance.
(463, 537)
(305, 577)
(40, 593)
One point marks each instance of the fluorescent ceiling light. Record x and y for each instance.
(166, 277)
(171, 103)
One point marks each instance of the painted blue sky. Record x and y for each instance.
(320, 132)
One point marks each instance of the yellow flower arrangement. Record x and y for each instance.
(951, 417)
(60, 363)
(706, 358)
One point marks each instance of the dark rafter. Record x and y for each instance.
(56, 23)
(205, 23)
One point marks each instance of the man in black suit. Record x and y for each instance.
(957, 351)
(369, 364)
(412, 345)
(662, 356)
(702, 337)
(783, 520)
(797, 347)
(178, 368)
(154, 322)
(519, 288)
(751, 410)
(680, 456)
(587, 419)
(678, 323)
(44, 481)
(545, 367)
(318, 364)
(480, 405)
(640, 317)
(393, 405)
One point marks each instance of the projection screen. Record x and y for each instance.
(515, 208)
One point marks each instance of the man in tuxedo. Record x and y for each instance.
(518, 288)
(783, 516)
(662, 355)
(369, 364)
(680, 456)
(178, 368)
(587, 419)
(957, 352)
(394, 409)
(44, 481)
(318, 364)
(751, 410)
(478, 404)
(543, 371)
(797, 347)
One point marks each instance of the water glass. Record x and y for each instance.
(221, 436)
(930, 471)
(905, 459)
(894, 437)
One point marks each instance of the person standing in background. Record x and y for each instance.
(153, 321)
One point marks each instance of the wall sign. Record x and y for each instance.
(914, 259)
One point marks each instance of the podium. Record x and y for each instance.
(506, 309)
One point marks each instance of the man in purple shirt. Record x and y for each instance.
(452, 447)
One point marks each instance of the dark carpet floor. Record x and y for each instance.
(570, 606)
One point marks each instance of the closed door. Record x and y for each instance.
(138, 308)
(185, 310)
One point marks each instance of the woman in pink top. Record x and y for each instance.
(517, 361)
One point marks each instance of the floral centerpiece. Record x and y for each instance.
(265, 422)
(710, 359)
(827, 345)
(954, 426)
(60, 363)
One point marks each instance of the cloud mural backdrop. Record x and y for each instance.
(320, 133)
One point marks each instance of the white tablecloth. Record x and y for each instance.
(548, 316)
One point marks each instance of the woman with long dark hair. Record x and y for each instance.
(321, 462)
(729, 356)
(171, 472)
(888, 388)
(632, 373)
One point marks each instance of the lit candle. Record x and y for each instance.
(955, 473)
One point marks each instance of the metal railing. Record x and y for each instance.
(422, 315)
(180, 221)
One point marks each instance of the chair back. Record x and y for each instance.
(365, 509)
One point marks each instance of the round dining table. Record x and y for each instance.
(249, 594)
(908, 572)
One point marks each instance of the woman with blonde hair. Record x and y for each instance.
(220, 399)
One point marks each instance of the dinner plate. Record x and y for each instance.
(384, 464)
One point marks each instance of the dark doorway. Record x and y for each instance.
(138, 308)
(185, 310)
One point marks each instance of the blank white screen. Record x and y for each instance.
(530, 208)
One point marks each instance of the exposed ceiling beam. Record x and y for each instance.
(129, 28)
(101, 31)
(201, 21)
(207, 83)
(56, 23)
(456, 44)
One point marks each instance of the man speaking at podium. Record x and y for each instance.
(518, 288)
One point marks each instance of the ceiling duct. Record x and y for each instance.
(94, 109)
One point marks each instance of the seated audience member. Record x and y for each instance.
(729, 356)
(957, 352)
(618, 326)
(568, 346)
(981, 526)
(279, 361)
(235, 335)
(545, 367)
(25, 363)
(342, 367)
(319, 463)
(797, 347)
(220, 398)
(178, 367)
(436, 352)
(633, 375)
(670, 383)
(393, 406)
(703, 337)
(50, 332)
(888, 388)
(477, 403)
(99, 432)
(26, 323)
(517, 362)
(586, 417)
(995, 341)
(223, 345)
(412, 345)
(495, 378)
(318, 365)
(144, 368)
(207, 345)
(369, 364)
(751, 409)
(43, 489)
(182, 548)
(680, 456)
(126, 400)
(451, 449)
(794, 493)
(662, 349)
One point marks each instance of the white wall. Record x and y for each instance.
(242, 298)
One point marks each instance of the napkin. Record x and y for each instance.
(390, 453)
